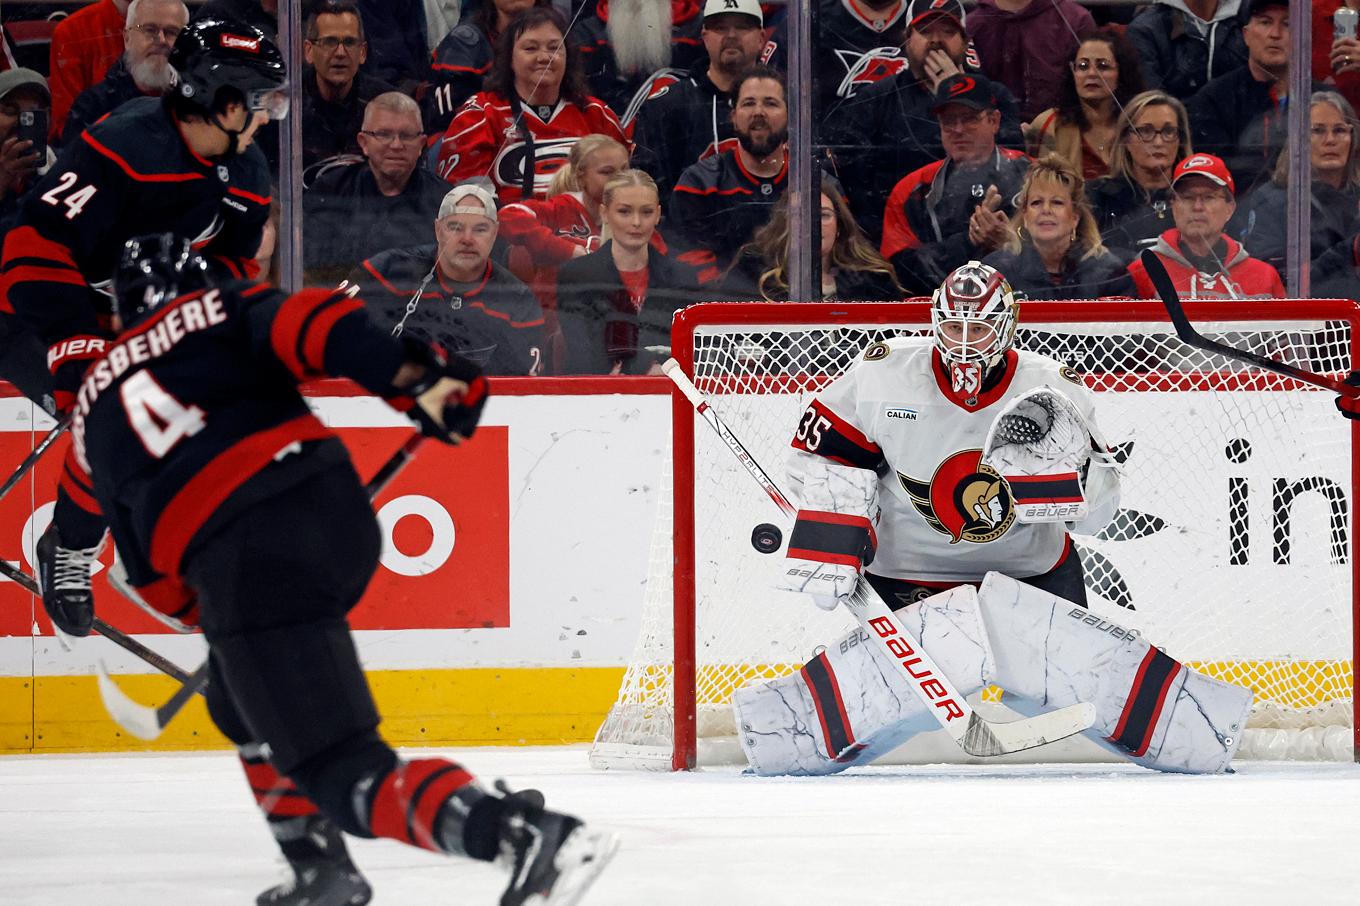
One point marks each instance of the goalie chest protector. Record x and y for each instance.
(945, 516)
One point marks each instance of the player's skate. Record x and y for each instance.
(328, 879)
(64, 574)
(553, 858)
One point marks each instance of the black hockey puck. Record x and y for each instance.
(766, 538)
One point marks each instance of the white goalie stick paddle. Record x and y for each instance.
(975, 735)
(1171, 300)
(147, 721)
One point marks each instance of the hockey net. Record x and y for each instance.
(1232, 549)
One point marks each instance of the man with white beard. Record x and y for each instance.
(143, 69)
(624, 42)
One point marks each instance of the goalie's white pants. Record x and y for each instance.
(847, 707)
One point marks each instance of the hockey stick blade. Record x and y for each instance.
(1171, 300)
(979, 736)
(144, 721)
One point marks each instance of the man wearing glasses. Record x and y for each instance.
(355, 208)
(334, 91)
(143, 69)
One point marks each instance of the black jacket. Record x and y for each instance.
(1261, 220)
(718, 204)
(1176, 57)
(742, 284)
(1082, 278)
(599, 326)
(1130, 218)
(498, 323)
(346, 218)
(679, 122)
(887, 131)
(332, 128)
(99, 99)
(1240, 120)
(460, 63)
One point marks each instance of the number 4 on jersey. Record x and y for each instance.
(160, 420)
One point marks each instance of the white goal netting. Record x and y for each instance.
(1231, 551)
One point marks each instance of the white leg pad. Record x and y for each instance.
(847, 706)
(1150, 708)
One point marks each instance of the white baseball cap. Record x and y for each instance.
(738, 7)
(455, 202)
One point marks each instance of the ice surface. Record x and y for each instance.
(182, 829)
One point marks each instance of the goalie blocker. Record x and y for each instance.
(1046, 651)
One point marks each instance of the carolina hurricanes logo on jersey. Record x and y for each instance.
(867, 68)
(549, 157)
(964, 499)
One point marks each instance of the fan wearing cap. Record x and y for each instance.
(22, 91)
(1203, 262)
(958, 207)
(888, 130)
(1241, 115)
(688, 117)
(452, 294)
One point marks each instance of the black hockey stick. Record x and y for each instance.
(148, 722)
(118, 637)
(1161, 280)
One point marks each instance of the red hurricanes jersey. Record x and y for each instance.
(483, 140)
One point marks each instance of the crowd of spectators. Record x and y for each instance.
(588, 167)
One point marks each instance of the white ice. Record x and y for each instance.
(181, 829)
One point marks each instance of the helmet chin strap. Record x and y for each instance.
(233, 136)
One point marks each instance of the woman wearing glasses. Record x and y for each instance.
(1083, 128)
(1132, 204)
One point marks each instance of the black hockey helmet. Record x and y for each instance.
(213, 53)
(152, 270)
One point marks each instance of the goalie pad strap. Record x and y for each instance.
(1062, 488)
(826, 698)
(833, 538)
(1146, 699)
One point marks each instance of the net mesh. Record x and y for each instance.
(1230, 550)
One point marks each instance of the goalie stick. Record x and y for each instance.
(147, 721)
(975, 735)
(1171, 300)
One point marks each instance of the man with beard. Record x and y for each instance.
(624, 42)
(721, 201)
(887, 129)
(687, 120)
(143, 69)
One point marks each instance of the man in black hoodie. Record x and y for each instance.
(686, 120)
(1184, 43)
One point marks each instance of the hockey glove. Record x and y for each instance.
(833, 537)
(1349, 406)
(447, 399)
(67, 360)
(1040, 444)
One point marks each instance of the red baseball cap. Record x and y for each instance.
(1205, 165)
(918, 10)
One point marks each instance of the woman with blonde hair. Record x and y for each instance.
(1055, 251)
(1132, 206)
(615, 305)
(1260, 220)
(852, 269)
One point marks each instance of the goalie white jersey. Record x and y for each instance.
(945, 516)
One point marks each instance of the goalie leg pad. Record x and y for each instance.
(1150, 708)
(848, 706)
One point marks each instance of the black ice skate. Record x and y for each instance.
(64, 574)
(553, 858)
(328, 878)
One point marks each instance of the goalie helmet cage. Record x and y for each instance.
(1232, 549)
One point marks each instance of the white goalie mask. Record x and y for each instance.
(973, 316)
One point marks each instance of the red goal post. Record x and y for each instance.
(1233, 548)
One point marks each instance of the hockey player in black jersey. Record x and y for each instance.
(233, 507)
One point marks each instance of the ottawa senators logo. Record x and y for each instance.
(964, 499)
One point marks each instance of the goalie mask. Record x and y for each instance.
(972, 318)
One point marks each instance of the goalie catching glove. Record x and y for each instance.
(833, 538)
(446, 398)
(1042, 445)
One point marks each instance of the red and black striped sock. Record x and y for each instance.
(435, 804)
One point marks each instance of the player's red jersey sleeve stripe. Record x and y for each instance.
(302, 326)
(264, 200)
(837, 440)
(28, 273)
(128, 169)
(26, 242)
(1145, 702)
(201, 495)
